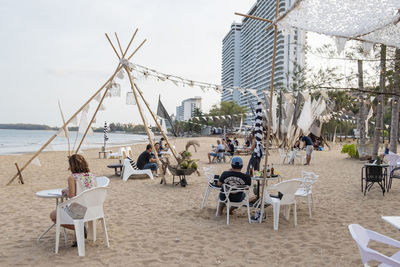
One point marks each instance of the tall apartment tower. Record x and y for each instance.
(231, 63)
(256, 52)
(185, 111)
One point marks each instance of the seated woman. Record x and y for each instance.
(81, 179)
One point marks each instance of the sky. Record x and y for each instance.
(54, 50)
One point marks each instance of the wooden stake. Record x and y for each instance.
(134, 52)
(91, 121)
(130, 42)
(65, 124)
(19, 173)
(119, 45)
(270, 112)
(108, 38)
(253, 17)
(158, 125)
(142, 116)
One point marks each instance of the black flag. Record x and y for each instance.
(163, 113)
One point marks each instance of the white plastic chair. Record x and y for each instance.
(209, 173)
(305, 191)
(282, 156)
(362, 237)
(288, 189)
(93, 200)
(102, 181)
(234, 190)
(128, 171)
(129, 152)
(300, 156)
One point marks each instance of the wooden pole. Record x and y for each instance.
(19, 173)
(91, 121)
(130, 42)
(142, 116)
(108, 38)
(158, 125)
(270, 112)
(65, 124)
(134, 52)
(253, 17)
(119, 44)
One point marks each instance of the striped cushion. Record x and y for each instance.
(133, 163)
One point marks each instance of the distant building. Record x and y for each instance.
(256, 52)
(231, 63)
(185, 111)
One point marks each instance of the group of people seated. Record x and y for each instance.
(147, 159)
(224, 147)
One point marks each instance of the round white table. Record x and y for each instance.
(58, 196)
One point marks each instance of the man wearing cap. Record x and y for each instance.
(233, 177)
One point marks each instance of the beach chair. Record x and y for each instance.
(288, 190)
(92, 200)
(211, 185)
(373, 174)
(305, 191)
(128, 170)
(129, 152)
(362, 237)
(220, 157)
(234, 190)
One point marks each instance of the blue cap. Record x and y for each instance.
(237, 163)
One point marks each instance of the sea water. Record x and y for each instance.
(25, 141)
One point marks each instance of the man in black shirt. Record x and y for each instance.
(145, 161)
(231, 148)
(236, 178)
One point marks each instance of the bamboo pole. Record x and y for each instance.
(253, 17)
(158, 125)
(134, 52)
(108, 38)
(270, 113)
(130, 42)
(19, 173)
(65, 124)
(91, 121)
(142, 116)
(119, 44)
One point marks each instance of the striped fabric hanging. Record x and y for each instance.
(258, 131)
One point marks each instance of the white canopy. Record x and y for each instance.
(373, 21)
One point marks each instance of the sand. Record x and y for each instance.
(156, 225)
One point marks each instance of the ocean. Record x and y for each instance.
(25, 141)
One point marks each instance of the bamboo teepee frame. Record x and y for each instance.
(123, 64)
(270, 98)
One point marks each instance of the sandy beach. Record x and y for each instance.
(159, 225)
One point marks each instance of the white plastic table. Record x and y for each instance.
(393, 220)
(54, 194)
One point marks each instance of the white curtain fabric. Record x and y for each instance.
(305, 119)
(369, 116)
(273, 113)
(368, 20)
(83, 124)
(130, 99)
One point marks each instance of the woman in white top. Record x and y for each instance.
(81, 179)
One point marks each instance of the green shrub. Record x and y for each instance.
(351, 150)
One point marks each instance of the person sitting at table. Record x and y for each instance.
(219, 149)
(146, 162)
(233, 177)
(81, 179)
(157, 146)
(231, 148)
(235, 142)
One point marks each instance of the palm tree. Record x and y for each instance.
(379, 109)
(394, 125)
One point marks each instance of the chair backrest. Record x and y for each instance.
(230, 189)
(122, 152)
(129, 152)
(102, 181)
(288, 189)
(374, 174)
(309, 175)
(209, 173)
(93, 200)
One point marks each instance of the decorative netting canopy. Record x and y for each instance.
(375, 21)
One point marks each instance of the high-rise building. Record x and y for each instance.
(256, 52)
(185, 111)
(231, 63)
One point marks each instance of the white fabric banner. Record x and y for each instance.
(305, 119)
(36, 162)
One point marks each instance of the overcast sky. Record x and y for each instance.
(56, 50)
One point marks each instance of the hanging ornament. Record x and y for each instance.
(120, 74)
(340, 44)
(130, 99)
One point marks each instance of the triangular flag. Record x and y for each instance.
(98, 97)
(120, 74)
